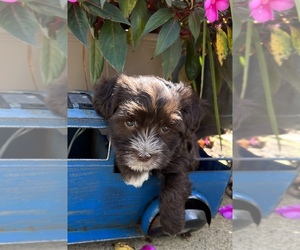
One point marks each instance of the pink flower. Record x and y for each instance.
(226, 211)
(148, 247)
(292, 212)
(262, 10)
(212, 6)
(9, 1)
(72, 1)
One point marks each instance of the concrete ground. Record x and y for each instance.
(274, 233)
(217, 236)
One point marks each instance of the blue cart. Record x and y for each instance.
(33, 171)
(259, 185)
(102, 207)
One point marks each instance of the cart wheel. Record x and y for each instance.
(197, 214)
(245, 213)
(228, 189)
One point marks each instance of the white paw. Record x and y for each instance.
(137, 181)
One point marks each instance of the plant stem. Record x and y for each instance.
(214, 87)
(203, 57)
(247, 55)
(266, 85)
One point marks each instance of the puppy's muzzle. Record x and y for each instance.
(144, 156)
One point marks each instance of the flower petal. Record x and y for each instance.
(281, 5)
(222, 4)
(254, 4)
(262, 14)
(292, 212)
(226, 211)
(211, 14)
(148, 247)
(292, 215)
(207, 4)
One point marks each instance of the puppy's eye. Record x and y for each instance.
(165, 129)
(130, 123)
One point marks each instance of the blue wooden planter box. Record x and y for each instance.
(101, 206)
(33, 171)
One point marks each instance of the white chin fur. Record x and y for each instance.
(138, 181)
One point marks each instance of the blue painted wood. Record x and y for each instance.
(13, 114)
(102, 207)
(264, 188)
(33, 201)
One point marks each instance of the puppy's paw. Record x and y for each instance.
(172, 227)
(137, 180)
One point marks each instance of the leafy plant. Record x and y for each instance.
(39, 22)
(270, 41)
(106, 27)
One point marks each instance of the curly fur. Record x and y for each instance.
(152, 124)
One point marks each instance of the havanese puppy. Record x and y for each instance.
(152, 125)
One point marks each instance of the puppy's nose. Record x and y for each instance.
(144, 156)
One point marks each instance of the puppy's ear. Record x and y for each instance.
(103, 99)
(192, 109)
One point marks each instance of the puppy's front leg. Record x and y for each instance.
(175, 190)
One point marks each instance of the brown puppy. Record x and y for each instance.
(152, 124)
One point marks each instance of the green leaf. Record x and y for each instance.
(297, 4)
(102, 2)
(237, 27)
(167, 36)
(78, 23)
(109, 11)
(48, 7)
(96, 61)
(194, 22)
(2, 6)
(179, 5)
(52, 61)
(19, 22)
(229, 38)
(295, 37)
(289, 71)
(157, 19)
(113, 44)
(63, 3)
(221, 45)
(169, 2)
(139, 18)
(226, 70)
(127, 6)
(192, 64)
(280, 45)
(62, 40)
(170, 58)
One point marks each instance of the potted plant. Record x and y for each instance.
(35, 33)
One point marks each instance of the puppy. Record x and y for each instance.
(152, 124)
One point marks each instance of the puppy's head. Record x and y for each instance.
(148, 118)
